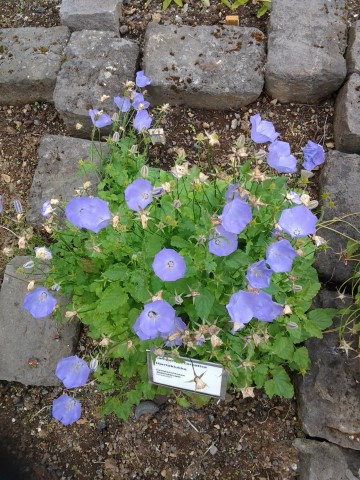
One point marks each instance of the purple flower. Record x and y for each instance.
(142, 120)
(235, 216)
(222, 242)
(91, 213)
(173, 338)
(39, 302)
(298, 221)
(280, 158)
(99, 119)
(240, 307)
(232, 192)
(156, 319)
(294, 198)
(276, 233)
(139, 102)
(1, 204)
(18, 207)
(243, 306)
(264, 308)
(280, 256)
(258, 274)
(141, 80)
(314, 155)
(123, 103)
(138, 194)
(72, 371)
(66, 409)
(262, 131)
(169, 265)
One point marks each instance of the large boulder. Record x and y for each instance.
(347, 114)
(328, 395)
(30, 348)
(59, 174)
(97, 65)
(324, 461)
(306, 46)
(353, 50)
(339, 183)
(211, 67)
(30, 59)
(91, 14)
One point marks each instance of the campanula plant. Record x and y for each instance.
(214, 266)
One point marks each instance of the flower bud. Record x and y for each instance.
(18, 207)
(31, 285)
(178, 300)
(70, 314)
(292, 325)
(94, 363)
(116, 137)
(29, 265)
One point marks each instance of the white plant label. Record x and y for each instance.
(192, 375)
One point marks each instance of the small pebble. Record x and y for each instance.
(146, 408)
(213, 450)
(39, 9)
(124, 29)
(101, 425)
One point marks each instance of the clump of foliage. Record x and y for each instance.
(213, 265)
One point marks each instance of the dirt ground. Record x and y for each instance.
(240, 438)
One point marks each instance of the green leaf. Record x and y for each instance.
(166, 4)
(179, 242)
(121, 350)
(280, 384)
(178, 3)
(262, 10)
(116, 272)
(204, 303)
(183, 402)
(322, 317)
(283, 347)
(237, 260)
(259, 374)
(112, 299)
(301, 358)
(312, 329)
(133, 397)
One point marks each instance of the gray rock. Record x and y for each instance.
(97, 64)
(91, 14)
(306, 44)
(347, 113)
(30, 59)
(30, 348)
(328, 395)
(324, 461)
(57, 173)
(212, 67)
(340, 179)
(353, 50)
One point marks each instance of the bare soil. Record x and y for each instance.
(237, 439)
